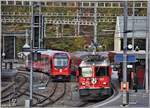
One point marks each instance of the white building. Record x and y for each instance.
(137, 25)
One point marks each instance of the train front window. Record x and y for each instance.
(101, 71)
(86, 72)
(61, 61)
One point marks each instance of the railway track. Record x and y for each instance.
(9, 95)
(36, 96)
(7, 87)
(52, 93)
(39, 99)
(43, 100)
(54, 96)
(47, 97)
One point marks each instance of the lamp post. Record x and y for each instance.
(29, 49)
(125, 83)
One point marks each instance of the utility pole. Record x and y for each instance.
(78, 18)
(133, 24)
(149, 45)
(40, 25)
(0, 48)
(125, 84)
(95, 26)
(31, 48)
(147, 59)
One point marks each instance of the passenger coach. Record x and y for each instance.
(55, 63)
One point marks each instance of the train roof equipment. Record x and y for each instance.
(49, 51)
(88, 58)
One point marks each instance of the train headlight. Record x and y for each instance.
(83, 84)
(60, 70)
(93, 81)
(104, 83)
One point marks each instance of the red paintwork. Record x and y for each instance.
(60, 71)
(99, 84)
(85, 82)
(64, 71)
(40, 65)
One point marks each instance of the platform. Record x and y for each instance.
(138, 99)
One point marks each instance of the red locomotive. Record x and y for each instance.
(56, 63)
(94, 75)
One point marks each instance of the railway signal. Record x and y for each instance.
(9, 47)
(38, 29)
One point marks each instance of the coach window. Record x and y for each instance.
(44, 59)
(101, 71)
(37, 57)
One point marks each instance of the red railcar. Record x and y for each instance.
(61, 63)
(56, 63)
(94, 75)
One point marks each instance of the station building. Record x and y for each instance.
(136, 36)
(136, 26)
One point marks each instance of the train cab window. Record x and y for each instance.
(86, 72)
(101, 71)
(61, 61)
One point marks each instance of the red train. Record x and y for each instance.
(94, 75)
(56, 63)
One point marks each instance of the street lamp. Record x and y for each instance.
(26, 51)
(29, 49)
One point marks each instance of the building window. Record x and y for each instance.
(49, 3)
(64, 3)
(42, 3)
(101, 4)
(107, 4)
(141, 43)
(92, 4)
(71, 3)
(3, 2)
(11, 2)
(56, 3)
(115, 4)
(86, 4)
(137, 4)
(18, 3)
(26, 3)
(144, 4)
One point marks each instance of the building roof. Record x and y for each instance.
(137, 24)
(141, 54)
